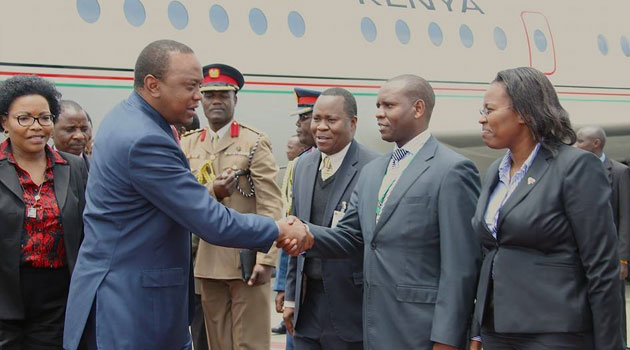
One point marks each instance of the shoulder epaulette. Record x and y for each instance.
(192, 132)
(254, 130)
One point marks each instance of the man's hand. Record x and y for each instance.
(474, 345)
(294, 236)
(287, 315)
(224, 185)
(623, 271)
(260, 275)
(440, 346)
(280, 302)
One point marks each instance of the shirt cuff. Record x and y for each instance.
(290, 304)
(477, 338)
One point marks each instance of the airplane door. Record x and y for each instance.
(542, 51)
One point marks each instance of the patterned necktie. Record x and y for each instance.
(398, 155)
(327, 170)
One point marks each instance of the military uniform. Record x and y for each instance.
(237, 316)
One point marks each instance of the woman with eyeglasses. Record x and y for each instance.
(549, 278)
(41, 226)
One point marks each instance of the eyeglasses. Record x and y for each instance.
(304, 117)
(485, 112)
(28, 120)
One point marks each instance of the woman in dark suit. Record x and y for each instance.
(549, 278)
(41, 226)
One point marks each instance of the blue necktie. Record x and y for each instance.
(398, 155)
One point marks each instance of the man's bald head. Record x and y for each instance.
(417, 88)
(591, 138)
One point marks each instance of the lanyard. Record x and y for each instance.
(381, 200)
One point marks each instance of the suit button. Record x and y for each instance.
(373, 245)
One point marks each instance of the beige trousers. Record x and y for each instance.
(237, 316)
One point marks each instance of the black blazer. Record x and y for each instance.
(69, 182)
(342, 278)
(619, 179)
(554, 266)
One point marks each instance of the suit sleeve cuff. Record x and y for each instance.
(290, 304)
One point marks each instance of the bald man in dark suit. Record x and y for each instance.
(593, 139)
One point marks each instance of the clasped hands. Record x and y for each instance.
(293, 236)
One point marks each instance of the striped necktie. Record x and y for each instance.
(398, 155)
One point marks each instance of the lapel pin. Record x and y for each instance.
(531, 180)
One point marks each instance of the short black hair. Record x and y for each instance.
(24, 85)
(69, 104)
(536, 101)
(155, 59)
(349, 102)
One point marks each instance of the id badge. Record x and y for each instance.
(337, 215)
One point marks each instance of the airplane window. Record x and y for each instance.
(435, 34)
(178, 15)
(402, 32)
(134, 12)
(219, 18)
(602, 43)
(368, 28)
(89, 10)
(499, 38)
(466, 36)
(625, 46)
(296, 24)
(540, 40)
(257, 21)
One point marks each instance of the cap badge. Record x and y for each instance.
(214, 73)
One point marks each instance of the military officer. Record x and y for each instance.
(236, 164)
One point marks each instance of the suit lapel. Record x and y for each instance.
(489, 186)
(308, 185)
(9, 178)
(536, 172)
(345, 173)
(206, 144)
(608, 165)
(224, 143)
(371, 194)
(61, 172)
(419, 164)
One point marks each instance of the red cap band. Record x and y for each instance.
(220, 79)
(306, 100)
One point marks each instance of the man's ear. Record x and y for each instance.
(597, 143)
(420, 108)
(152, 85)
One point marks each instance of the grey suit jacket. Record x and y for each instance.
(342, 278)
(619, 180)
(554, 265)
(421, 259)
(69, 182)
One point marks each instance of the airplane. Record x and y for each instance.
(88, 48)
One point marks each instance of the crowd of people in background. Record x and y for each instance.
(406, 250)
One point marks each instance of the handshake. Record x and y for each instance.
(293, 236)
